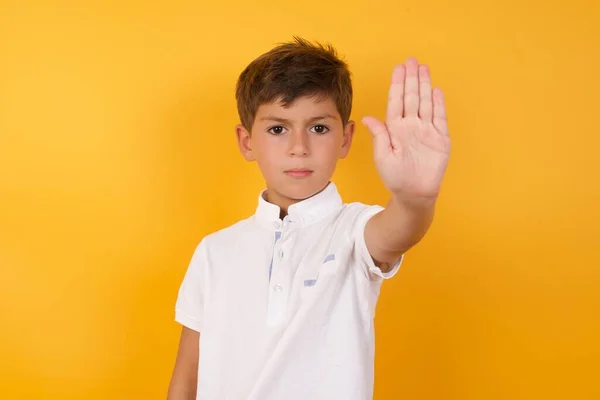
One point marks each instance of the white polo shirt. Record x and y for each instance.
(285, 308)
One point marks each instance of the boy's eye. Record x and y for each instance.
(320, 129)
(277, 130)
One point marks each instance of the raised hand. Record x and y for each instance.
(412, 147)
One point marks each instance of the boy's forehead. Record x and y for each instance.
(301, 108)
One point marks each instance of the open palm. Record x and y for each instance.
(412, 148)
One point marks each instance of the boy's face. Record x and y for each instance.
(296, 148)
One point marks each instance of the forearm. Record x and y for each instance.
(183, 382)
(182, 390)
(185, 373)
(401, 225)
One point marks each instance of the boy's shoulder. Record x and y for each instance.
(229, 232)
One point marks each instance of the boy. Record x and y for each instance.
(281, 305)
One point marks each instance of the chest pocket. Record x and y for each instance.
(323, 267)
(322, 277)
(326, 265)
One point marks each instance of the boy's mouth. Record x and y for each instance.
(298, 172)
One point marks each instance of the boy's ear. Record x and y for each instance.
(347, 138)
(244, 142)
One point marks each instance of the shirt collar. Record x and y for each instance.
(304, 212)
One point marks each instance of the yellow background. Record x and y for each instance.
(117, 154)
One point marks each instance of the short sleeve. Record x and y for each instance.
(189, 307)
(360, 246)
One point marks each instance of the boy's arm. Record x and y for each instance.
(411, 152)
(185, 373)
(392, 232)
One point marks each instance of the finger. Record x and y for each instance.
(425, 101)
(439, 112)
(380, 134)
(411, 88)
(396, 94)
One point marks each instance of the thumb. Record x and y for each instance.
(379, 132)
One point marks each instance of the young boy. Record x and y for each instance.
(280, 305)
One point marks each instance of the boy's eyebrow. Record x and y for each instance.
(284, 120)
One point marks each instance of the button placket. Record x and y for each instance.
(278, 288)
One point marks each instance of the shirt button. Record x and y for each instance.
(281, 253)
(278, 288)
(276, 224)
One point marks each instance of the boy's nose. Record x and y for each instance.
(298, 144)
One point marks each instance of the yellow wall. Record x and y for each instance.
(116, 135)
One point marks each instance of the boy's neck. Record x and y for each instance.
(284, 203)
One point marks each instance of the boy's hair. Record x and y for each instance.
(291, 70)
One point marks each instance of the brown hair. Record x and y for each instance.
(291, 70)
